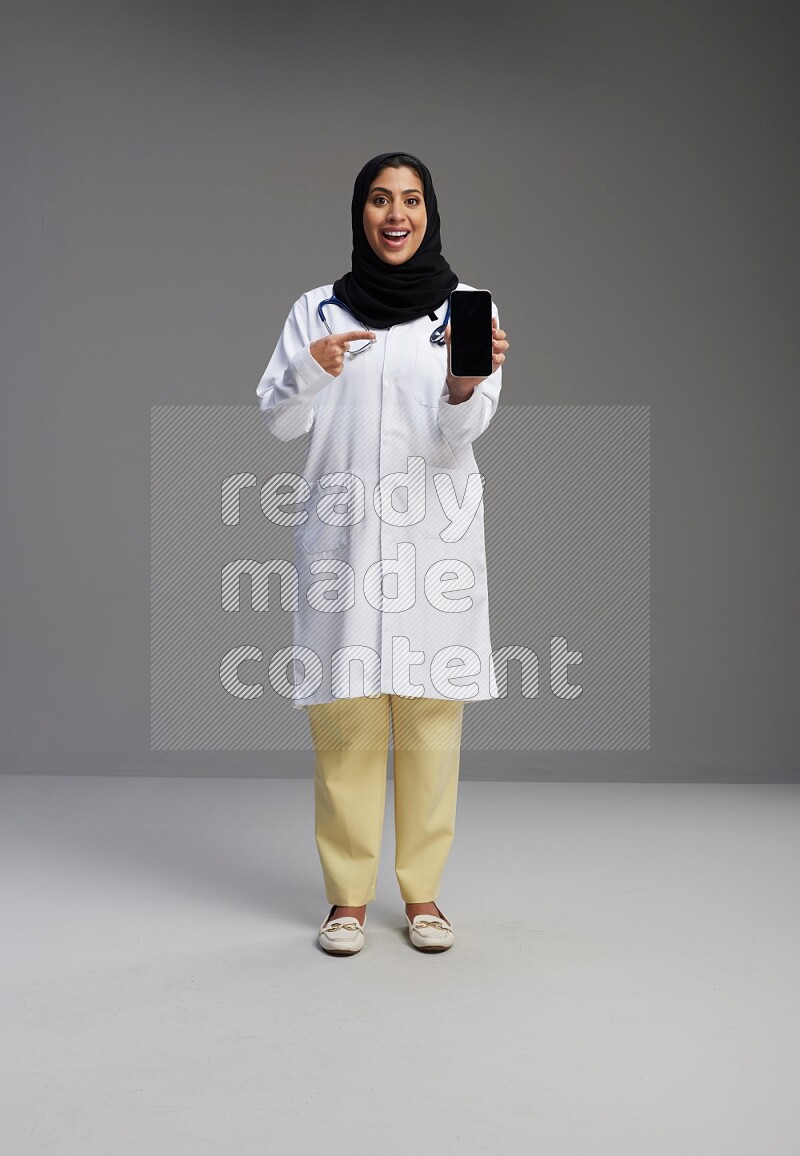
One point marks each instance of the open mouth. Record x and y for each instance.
(394, 238)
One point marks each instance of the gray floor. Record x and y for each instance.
(624, 977)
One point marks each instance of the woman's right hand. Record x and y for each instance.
(329, 351)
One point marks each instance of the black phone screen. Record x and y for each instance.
(470, 333)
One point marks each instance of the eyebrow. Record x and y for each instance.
(381, 189)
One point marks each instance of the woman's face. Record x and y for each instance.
(395, 204)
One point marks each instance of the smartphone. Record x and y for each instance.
(470, 333)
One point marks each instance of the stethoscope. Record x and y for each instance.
(437, 337)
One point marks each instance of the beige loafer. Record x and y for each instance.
(430, 932)
(341, 936)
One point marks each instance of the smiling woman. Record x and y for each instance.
(391, 283)
(395, 217)
(393, 422)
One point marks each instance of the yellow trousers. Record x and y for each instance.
(351, 748)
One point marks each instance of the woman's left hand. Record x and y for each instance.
(461, 387)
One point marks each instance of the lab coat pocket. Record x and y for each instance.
(321, 535)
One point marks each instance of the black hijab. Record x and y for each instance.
(379, 294)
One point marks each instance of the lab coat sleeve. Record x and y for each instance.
(292, 379)
(461, 424)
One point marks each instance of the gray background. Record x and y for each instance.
(624, 177)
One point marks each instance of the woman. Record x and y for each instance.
(390, 593)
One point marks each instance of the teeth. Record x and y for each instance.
(388, 233)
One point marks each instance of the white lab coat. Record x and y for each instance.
(424, 629)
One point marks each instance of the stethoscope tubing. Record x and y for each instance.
(437, 337)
